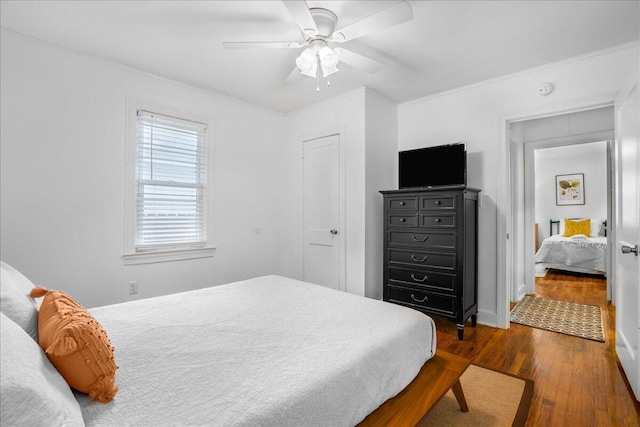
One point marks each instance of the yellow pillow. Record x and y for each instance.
(76, 344)
(573, 227)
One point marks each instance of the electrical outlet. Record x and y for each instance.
(133, 287)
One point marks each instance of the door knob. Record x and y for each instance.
(628, 249)
(333, 231)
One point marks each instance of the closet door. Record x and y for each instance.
(321, 212)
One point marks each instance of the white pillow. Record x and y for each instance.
(32, 391)
(596, 227)
(15, 301)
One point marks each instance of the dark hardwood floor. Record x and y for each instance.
(577, 382)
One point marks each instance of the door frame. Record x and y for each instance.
(529, 200)
(509, 171)
(342, 230)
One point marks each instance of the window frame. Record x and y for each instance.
(132, 255)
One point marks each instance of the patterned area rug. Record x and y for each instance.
(580, 320)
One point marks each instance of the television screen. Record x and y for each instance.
(442, 165)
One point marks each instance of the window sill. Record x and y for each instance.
(167, 255)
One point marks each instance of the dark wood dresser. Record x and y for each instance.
(431, 251)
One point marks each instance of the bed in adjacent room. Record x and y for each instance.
(581, 250)
(268, 351)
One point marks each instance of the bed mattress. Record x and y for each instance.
(269, 351)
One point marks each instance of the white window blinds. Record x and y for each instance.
(171, 182)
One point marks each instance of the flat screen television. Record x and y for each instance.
(437, 166)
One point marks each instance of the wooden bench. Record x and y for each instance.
(439, 374)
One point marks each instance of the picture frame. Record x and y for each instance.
(570, 189)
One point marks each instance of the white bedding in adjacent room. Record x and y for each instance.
(269, 351)
(576, 253)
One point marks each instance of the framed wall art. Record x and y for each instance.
(570, 189)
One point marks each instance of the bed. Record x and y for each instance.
(269, 351)
(579, 253)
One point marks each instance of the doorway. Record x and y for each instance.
(570, 143)
(511, 230)
(589, 162)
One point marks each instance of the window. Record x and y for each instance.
(170, 194)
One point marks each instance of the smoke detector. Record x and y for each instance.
(545, 89)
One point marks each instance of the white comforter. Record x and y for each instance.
(269, 351)
(577, 253)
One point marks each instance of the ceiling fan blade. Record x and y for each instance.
(262, 45)
(356, 60)
(300, 12)
(393, 15)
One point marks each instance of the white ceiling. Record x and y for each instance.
(447, 44)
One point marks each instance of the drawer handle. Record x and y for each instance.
(438, 202)
(402, 220)
(419, 280)
(401, 203)
(415, 239)
(425, 299)
(437, 220)
(413, 257)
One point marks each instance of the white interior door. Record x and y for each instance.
(627, 233)
(321, 212)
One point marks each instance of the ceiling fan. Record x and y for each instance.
(319, 36)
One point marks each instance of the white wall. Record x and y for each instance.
(369, 124)
(589, 159)
(62, 165)
(345, 115)
(381, 174)
(71, 165)
(477, 113)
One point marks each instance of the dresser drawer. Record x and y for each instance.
(431, 240)
(422, 299)
(404, 203)
(438, 202)
(402, 220)
(444, 282)
(434, 220)
(439, 260)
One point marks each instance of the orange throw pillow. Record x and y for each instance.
(76, 344)
(573, 227)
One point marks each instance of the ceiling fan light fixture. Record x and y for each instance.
(328, 58)
(311, 73)
(327, 71)
(307, 62)
(328, 61)
(318, 26)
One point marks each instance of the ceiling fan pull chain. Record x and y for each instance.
(318, 82)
